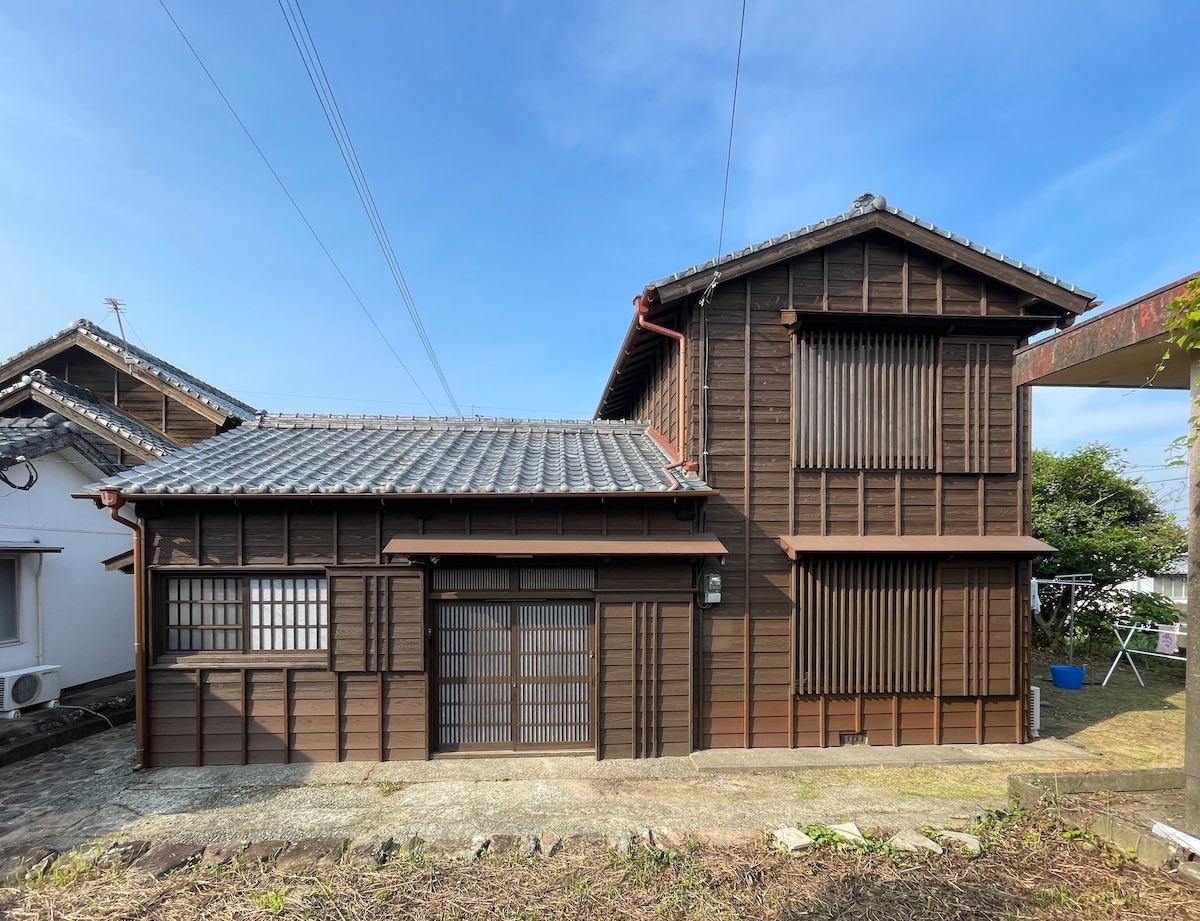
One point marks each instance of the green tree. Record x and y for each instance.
(1103, 522)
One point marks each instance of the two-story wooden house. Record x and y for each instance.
(848, 388)
(330, 588)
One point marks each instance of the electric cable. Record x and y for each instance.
(706, 297)
(306, 46)
(299, 210)
(737, 74)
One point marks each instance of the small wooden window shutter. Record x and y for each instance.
(977, 406)
(978, 627)
(376, 620)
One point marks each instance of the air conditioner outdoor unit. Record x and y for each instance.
(27, 687)
(1035, 712)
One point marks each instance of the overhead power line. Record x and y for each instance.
(706, 297)
(299, 210)
(737, 75)
(307, 48)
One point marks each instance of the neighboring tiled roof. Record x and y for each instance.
(66, 396)
(152, 364)
(28, 436)
(391, 455)
(33, 438)
(865, 204)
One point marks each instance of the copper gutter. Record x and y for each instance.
(642, 303)
(111, 499)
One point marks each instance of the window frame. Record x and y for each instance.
(15, 638)
(245, 627)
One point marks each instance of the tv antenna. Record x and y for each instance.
(116, 306)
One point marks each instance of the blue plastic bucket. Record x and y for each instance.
(1069, 677)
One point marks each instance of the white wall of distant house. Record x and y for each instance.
(87, 611)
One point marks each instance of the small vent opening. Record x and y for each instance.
(469, 580)
(551, 579)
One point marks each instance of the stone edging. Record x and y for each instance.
(1045, 791)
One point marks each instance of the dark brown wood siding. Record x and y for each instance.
(644, 676)
(377, 620)
(139, 398)
(743, 429)
(369, 696)
(272, 714)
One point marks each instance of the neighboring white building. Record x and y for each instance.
(58, 604)
(1171, 582)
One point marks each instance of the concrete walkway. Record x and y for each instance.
(89, 789)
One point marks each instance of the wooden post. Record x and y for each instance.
(1191, 733)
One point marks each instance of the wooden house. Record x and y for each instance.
(75, 407)
(379, 588)
(829, 429)
(848, 388)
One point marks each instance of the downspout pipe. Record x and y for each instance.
(641, 303)
(111, 499)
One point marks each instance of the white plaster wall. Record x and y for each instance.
(87, 611)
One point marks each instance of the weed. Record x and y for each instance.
(272, 900)
(389, 787)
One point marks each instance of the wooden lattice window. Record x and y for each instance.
(866, 399)
(288, 613)
(866, 625)
(246, 614)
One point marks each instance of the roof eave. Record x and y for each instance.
(622, 354)
(411, 496)
(46, 399)
(1071, 302)
(29, 359)
(950, 248)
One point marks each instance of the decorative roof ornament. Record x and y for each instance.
(868, 201)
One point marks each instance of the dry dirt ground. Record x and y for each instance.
(1031, 868)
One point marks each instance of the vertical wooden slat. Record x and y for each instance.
(199, 716)
(748, 526)
(339, 715)
(866, 282)
(286, 676)
(381, 699)
(243, 707)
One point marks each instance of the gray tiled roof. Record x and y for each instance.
(865, 204)
(392, 455)
(33, 438)
(151, 364)
(59, 394)
(27, 436)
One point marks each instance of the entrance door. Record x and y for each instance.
(514, 675)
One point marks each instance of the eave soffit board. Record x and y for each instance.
(693, 545)
(797, 545)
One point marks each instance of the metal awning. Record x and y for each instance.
(689, 545)
(26, 546)
(797, 544)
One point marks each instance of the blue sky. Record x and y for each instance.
(536, 163)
